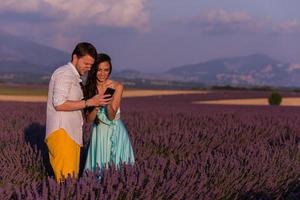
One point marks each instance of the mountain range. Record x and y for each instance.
(256, 69)
(21, 55)
(22, 60)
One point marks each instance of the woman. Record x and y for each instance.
(109, 138)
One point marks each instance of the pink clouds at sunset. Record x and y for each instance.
(125, 13)
(151, 33)
(221, 21)
(291, 26)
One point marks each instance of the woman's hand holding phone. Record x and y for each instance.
(99, 100)
(109, 91)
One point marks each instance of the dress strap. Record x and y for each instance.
(113, 84)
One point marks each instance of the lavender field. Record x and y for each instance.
(183, 151)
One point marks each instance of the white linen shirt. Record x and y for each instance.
(64, 85)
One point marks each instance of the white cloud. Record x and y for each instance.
(115, 13)
(63, 42)
(291, 26)
(223, 21)
(225, 17)
(19, 5)
(293, 67)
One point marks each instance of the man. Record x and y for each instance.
(64, 111)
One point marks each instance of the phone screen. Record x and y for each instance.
(109, 91)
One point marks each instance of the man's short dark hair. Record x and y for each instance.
(83, 49)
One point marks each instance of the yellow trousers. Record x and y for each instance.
(64, 154)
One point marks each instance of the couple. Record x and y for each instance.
(69, 100)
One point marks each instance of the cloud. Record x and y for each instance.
(61, 41)
(220, 21)
(287, 27)
(19, 5)
(225, 17)
(114, 13)
(29, 17)
(224, 22)
(292, 67)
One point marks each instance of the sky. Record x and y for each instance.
(156, 35)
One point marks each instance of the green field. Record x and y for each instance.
(20, 90)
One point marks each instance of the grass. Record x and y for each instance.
(38, 93)
(23, 90)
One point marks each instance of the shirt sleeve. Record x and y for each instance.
(61, 88)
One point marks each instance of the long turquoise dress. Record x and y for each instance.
(109, 143)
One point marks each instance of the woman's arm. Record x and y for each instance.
(113, 107)
(92, 115)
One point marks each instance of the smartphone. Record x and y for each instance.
(109, 91)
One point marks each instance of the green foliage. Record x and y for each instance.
(275, 99)
(28, 90)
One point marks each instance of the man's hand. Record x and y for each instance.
(99, 100)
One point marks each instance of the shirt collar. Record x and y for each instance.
(74, 70)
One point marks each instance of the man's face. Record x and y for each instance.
(83, 64)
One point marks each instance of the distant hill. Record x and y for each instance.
(21, 55)
(257, 69)
(24, 61)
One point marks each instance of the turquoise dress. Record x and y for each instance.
(109, 143)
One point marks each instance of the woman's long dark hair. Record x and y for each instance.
(90, 88)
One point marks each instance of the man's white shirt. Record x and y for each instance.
(65, 85)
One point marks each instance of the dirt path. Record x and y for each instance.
(289, 101)
(23, 98)
(127, 94)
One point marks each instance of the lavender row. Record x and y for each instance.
(183, 151)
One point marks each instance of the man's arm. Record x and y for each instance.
(97, 100)
(61, 90)
(71, 105)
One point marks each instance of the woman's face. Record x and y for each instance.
(103, 71)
